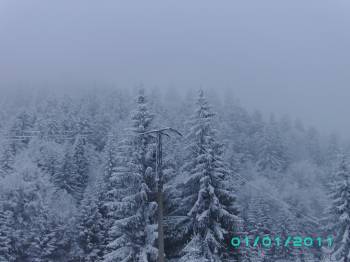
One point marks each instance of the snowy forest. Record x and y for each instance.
(78, 179)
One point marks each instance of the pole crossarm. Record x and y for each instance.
(162, 131)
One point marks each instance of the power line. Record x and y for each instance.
(68, 135)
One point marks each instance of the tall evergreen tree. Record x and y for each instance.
(133, 233)
(90, 230)
(73, 176)
(340, 210)
(206, 199)
(80, 168)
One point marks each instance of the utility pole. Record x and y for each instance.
(159, 179)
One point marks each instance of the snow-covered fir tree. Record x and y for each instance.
(340, 210)
(25, 212)
(80, 167)
(271, 153)
(206, 199)
(133, 233)
(90, 230)
(7, 252)
(109, 168)
(74, 175)
(7, 155)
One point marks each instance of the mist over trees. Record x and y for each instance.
(77, 179)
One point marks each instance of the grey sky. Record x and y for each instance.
(281, 56)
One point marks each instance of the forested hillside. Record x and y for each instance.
(78, 179)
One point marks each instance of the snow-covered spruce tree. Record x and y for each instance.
(7, 155)
(6, 228)
(132, 207)
(80, 168)
(206, 199)
(25, 195)
(93, 121)
(62, 178)
(340, 210)
(234, 125)
(110, 164)
(104, 194)
(51, 244)
(48, 155)
(42, 239)
(73, 176)
(271, 152)
(90, 230)
(105, 187)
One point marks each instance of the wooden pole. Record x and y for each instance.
(159, 175)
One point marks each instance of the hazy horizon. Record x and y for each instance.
(281, 57)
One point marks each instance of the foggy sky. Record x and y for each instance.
(280, 56)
